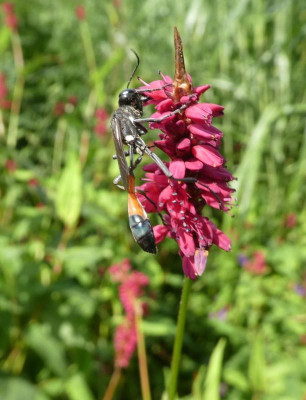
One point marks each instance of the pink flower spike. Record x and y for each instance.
(192, 143)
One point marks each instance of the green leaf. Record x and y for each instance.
(4, 38)
(198, 383)
(213, 376)
(18, 388)
(160, 327)
(257, 365)
(69, 193)
(236, 378)
(48, 348)
(77, 388)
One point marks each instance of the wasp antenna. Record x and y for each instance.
(135, 69)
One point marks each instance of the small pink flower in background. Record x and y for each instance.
(11, 21)
(125, 342)
(59, 109)
(290, 221)
(4, 102)
(117, 3)
(72, 100)
(80, 12)
(8, 8)
(120, 271)
(101, 122)
(192, 143)
(257, 265)
(10, 165)
(33, 182)
(131, 288)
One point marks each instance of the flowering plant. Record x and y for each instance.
(192, 143)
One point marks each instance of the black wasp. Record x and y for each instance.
(127, 130)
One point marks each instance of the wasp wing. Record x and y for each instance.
(123, 166)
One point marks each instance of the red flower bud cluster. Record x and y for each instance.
(257, 265)
(62, 107)
(80, 12)
(11, 21)
(130, 290)
(101, 122)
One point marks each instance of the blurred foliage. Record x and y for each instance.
(63, 223)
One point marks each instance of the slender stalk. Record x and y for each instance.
(88, 47)
(18, 91)
(142, 357)
(2, 126)
(112, 386)
(59, 145)
(177, 349)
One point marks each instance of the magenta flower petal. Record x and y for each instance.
(180, 127)
(165, 195)
(199, 113)
(215, 109)
(200, 89)
(204, 131)
(164, 105)
(167, 146)
(184, 144)
(208, 155)
(188, 267)
(177, 168)
(193, 164)
(186, 242)
(220, 239)
(160, 232)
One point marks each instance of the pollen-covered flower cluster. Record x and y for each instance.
(130, 290)
(192, 143)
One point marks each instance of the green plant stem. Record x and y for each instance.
(112, 386)
(177, 349)
(142, 357)
(18, 91)
(59, 145)
(2, 126)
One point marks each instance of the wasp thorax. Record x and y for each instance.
(130, 97)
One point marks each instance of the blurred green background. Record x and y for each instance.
(63, 223)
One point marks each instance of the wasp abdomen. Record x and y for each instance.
(143, 233)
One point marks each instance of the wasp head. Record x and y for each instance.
(130, 97)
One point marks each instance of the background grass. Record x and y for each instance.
(63, 223)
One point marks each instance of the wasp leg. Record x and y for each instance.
(178, 110)
(126, 153)
(152, 202)
(116, 181)
(153, 90)
(132, 151)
